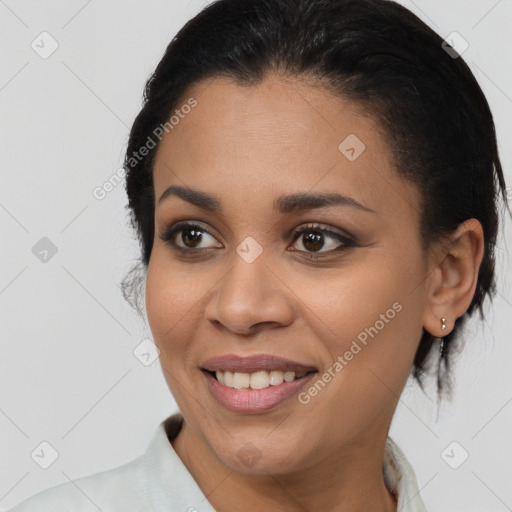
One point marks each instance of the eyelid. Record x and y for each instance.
(167, 228)
(323, 228)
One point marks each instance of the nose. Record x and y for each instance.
(250, 297)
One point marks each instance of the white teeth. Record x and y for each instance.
(241, 380)
(259, 380)
(228, 379)
(276, 378)
(256, 380)
(289, 376)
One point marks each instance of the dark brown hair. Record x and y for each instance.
(375, 53)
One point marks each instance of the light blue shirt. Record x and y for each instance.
(158, 481)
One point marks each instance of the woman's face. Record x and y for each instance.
(241, 290)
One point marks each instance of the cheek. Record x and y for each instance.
(370, 335)
(371, 317)
(172, 302)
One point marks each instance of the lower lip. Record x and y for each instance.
(254, 401)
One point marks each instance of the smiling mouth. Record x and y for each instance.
(256, 380)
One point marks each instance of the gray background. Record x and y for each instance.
(68, 372)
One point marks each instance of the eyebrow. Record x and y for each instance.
(292, 203)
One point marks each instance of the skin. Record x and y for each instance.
(248, 146)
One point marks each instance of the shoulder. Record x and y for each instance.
(400, 479)
(119, 489)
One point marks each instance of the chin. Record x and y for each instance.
(261, 455)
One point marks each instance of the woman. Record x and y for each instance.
(315, 188)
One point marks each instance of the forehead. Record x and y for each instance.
(281, 136)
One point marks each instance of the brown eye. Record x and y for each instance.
(188, 236)
(313, 239)
(191, 237)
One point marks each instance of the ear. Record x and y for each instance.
(453, 277)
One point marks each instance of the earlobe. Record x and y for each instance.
(454, 279)
(438, 326)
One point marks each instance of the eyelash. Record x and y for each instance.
(168, 236)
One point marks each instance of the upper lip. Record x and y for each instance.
(254, 363)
